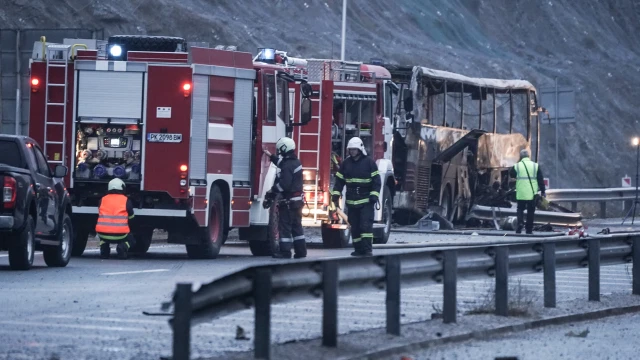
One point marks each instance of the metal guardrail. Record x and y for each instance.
(601, 195)
(261, 286)
(604, 194)
(540, 216)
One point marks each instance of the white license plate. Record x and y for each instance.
(160, 137)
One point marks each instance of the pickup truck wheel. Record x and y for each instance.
(59, 256)
(212, 236)
(79, 243)
(22, 247)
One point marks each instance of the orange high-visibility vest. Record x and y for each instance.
(112, 215)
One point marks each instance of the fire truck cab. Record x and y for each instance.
(182, 127)
(347, 99)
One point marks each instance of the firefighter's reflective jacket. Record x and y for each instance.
(289, 179)
(114, 212)
(362, 179)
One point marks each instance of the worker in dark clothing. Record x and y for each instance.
(529, 180)
(360, 173)
(114, 213)
(288, 183)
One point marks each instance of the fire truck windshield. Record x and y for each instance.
(276, 98)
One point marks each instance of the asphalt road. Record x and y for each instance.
(92, 309)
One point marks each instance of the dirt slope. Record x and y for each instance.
(590, 45)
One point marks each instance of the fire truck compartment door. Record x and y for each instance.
(199, 128)
(242, 137)
(110, 94)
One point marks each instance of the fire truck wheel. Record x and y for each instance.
(80, 237)
(334, 238)
(257, 235)
(212, 236)
(381, 236)
(142, 241)
(59, 255)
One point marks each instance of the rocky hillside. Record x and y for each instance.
(590, 45)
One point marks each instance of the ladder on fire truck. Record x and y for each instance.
(57, 56)
(316, 168)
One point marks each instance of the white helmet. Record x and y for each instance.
(285, 145)
(356, 143)
(116, 184)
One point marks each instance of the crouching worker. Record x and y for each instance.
(114, 214)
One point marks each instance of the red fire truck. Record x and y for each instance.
(184, 128)
(347, 99)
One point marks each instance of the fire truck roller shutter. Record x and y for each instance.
(110, 94)
(242, 119)
(199, 128)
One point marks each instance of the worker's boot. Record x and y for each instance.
(367, 247)
(285, 251)
(123, 250)
(361, 249)
(300, 249)
(105, 250)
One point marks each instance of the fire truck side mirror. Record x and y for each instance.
(306, 90)
(305, 111)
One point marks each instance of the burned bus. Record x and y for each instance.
(455, 139)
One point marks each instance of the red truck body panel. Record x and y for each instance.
(162, 160)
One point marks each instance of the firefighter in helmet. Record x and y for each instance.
(360, 173)
(288, 183)
(114, 214)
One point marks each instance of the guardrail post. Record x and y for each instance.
(549, 265)
(636, 265)
(449, 298)
(182, 322)
(603, 209)
(262, 300)
(393, 294)
(330, 303)
(574, 206)
(502, 280)
(594, 269)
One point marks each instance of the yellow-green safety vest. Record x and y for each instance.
(526, 186)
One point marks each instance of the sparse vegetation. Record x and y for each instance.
(521, 300)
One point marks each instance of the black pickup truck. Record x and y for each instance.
(35, 209)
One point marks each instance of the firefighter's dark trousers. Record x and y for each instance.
(361, 220)
(122, 245)
(530, 206)
(291, 232)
